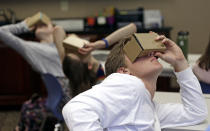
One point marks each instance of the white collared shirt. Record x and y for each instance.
(122, 103)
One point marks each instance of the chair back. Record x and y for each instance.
(54, 95)
(205, 87)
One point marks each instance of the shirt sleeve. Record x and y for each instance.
(80, 116)
(193, 108)
(15, 28)
(7, 36)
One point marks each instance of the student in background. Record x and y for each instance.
(124, 100)
(44, 55)
(84, 72)
(202, 66)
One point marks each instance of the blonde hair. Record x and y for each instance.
(116, 58)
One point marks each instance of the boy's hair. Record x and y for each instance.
(116, 58)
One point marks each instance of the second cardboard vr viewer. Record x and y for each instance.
(141, 44)
(72, 43)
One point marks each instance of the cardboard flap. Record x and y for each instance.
(38, 18)
(132, 49)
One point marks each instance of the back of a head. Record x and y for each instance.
(81, 79)
(116, 58)
(204, 60)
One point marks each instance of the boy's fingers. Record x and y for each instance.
(167, 42)
(160, 37)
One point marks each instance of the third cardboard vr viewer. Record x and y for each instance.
(141, 44)
(38, 18)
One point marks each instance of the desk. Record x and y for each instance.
(160, 97)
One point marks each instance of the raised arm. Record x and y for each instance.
(59, 35)
(7, 36)
(111, 39)
(15, 28)
(193, 108)
(80, 117)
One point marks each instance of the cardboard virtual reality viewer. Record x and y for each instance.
(72, 43)
(38, 18)
(141, 44)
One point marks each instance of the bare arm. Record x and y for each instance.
(59, 35)
(118, 34)
(112, 38)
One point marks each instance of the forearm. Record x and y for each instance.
(121, 33)
(15, 28)
(73, 112)
(59, 35)
(117, 35)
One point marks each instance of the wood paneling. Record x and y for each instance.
(17, 80)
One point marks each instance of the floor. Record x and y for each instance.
(8, 119)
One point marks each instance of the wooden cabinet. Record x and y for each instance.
(17, 80)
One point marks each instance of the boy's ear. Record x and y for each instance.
(123, 70)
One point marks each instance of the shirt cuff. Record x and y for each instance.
(183, 75)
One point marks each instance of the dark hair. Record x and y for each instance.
(204, 60)
(80, 77)
(116, 58)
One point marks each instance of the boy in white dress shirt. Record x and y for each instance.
(124, 100)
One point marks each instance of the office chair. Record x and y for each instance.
(54, 102)
(55, 95)
(205, 87)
